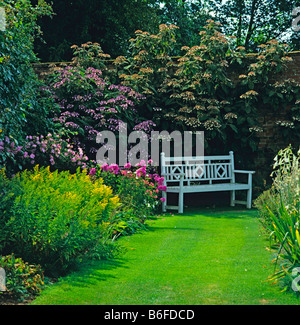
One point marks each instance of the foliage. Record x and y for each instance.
(21, 278)
(89, 55)
(189, 16)
(279, 209)
(201, 85)
(55, 219)
(22, 104)
(109, 22)
(200, 91)
(147, 67)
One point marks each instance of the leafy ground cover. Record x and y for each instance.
(202, 257)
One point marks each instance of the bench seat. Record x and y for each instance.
(209, 188)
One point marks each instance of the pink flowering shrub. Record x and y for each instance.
(138, 187)
(49, 150)
(90, 104)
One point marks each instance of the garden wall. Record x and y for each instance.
(270, 139)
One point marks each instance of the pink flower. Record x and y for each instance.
(142, 163)
(141, 171)
(159, 180)
(162, 188)
(92, 171)
(104, 167)
(163, 199)
(156, 177)
(127, 166)
(114, 168)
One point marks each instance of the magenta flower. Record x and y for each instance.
(161, 181)
(163, 199)
(114, 168)
(104, 167)
(141, 171)
(127, 166)
(162, 188)
(92, 171)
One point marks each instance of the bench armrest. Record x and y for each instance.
(244, 171)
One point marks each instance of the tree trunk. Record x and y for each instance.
(251, 23)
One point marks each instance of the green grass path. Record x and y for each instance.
(199, 258)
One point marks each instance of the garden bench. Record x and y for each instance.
(202, 174)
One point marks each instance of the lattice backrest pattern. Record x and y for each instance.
(207, 168)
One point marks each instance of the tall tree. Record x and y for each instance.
(254, 22)
(109, 22)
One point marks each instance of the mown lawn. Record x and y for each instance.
(209, 257)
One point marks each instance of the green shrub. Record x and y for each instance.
(279, 209)
(23, 105)
(55, 219)
(21, 279)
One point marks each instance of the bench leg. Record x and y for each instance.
(249, 198)
(232, 198)
(249, 192)
(180, 202)
(164, 204)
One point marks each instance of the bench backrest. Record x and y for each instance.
(206, 169)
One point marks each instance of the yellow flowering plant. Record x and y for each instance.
(55, 218)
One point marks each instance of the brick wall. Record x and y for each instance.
(271, 140)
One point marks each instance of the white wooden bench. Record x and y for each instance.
(202, 174)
